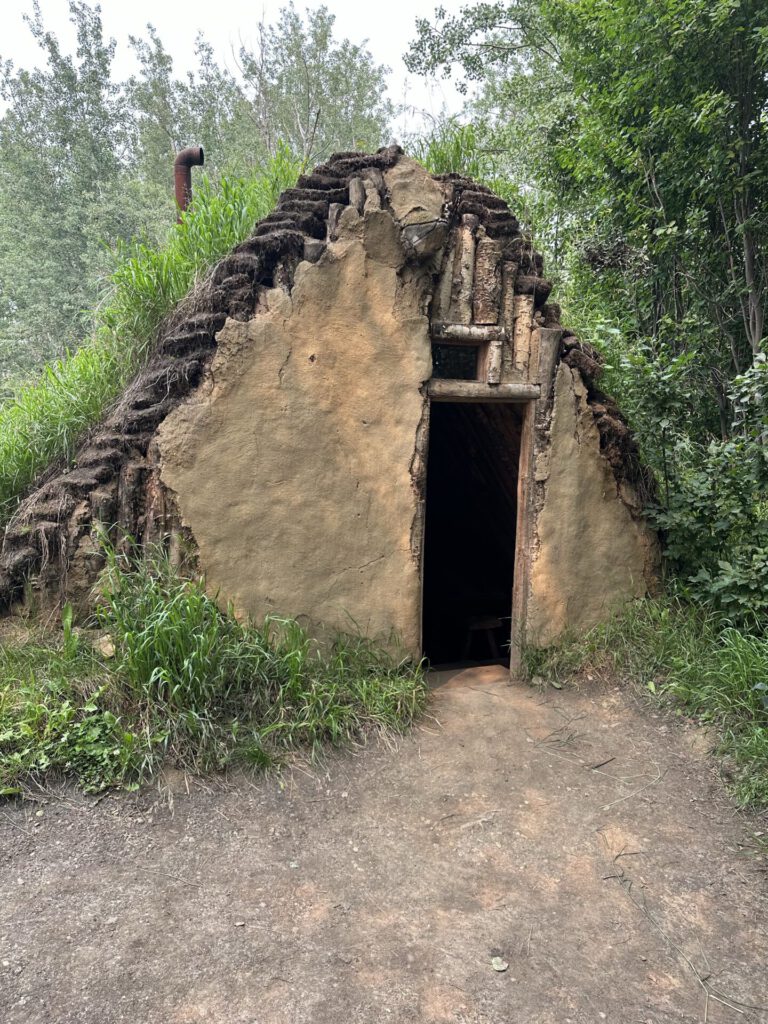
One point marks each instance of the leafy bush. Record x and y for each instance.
(697, 662)
(716, 527)
(41, 423)
(187, 682)
(53, 715)
(187, 669)
(714, 519)
(712, 477)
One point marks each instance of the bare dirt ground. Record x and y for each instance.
(576, 836)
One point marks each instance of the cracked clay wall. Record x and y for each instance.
(291, 463)
(591, 551)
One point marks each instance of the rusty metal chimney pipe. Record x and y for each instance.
(188, 158)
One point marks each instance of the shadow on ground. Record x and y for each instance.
(575, 836)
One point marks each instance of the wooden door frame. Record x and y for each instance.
(521, 395)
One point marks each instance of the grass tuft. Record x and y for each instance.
(187, 683)
(54, 714)
(692, 659)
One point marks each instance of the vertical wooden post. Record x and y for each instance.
(442, 297)
(523, 538)
(464, 271)
(521, 345)
(487, 287)
(418, 525)
(508, 278)
(547, 350)
(495, 356)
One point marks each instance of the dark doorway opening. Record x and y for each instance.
(469, 544)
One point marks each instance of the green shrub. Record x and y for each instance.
(42, 423)
(714, 527)
(53, 715)
(715, 516)
(712, 493)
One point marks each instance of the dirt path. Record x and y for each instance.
(381, 892)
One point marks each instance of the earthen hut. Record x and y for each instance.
(370, 414)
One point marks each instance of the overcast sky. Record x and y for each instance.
(388, 27)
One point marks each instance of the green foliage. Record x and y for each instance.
(668, 140)
(523, 103)
(636, 135)
(695, 661)
(63, 190)
(148, 281)
(53, 715)
(715, 526)
(313, 92)
(189, 683)
(454, 148)
(87, 162)
(321, 691)
(641, 128)
(187, 668)
(207, 107)
(41, 423)
(712, 507)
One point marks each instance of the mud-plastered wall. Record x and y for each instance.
(590, 550)
(291, 465)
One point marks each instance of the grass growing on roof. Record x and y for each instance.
(692, 659)
(187, 683)
(41, 423)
